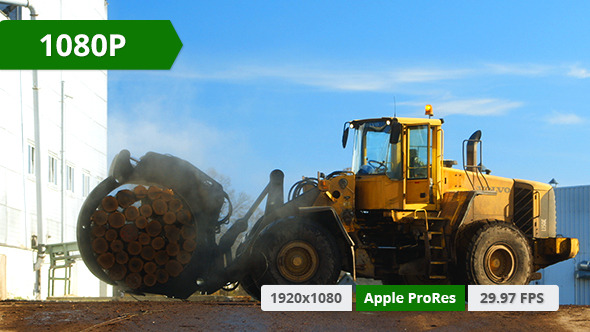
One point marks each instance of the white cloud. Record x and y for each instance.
(475, 107)
(332, 79)
(578, 72)
(523, 69)
(564, 118)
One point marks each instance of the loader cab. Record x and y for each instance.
(397, 162)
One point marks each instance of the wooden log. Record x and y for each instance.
(174, 205)
(154, 228)
(167, 195)
(144, 239)
(148, 253)
(133, 280)
(149, 280)
(100, 245)
(161, 257)
(98, 230)
(129, 233)
(188, 232)
(140, 192)
(158, 243)
(154, 192)
(160, 207)
(111, 235)
(189, 245)
(141, 222)
(172, 249)
(121, 257)
(109, 204)
(146, 210)
(134, 248)
(169, 218)
(117, 272)
(126, 198)
(183, 257)
(172, 233)
(117, 245)
(184, 217)
(135, 264)
(162, 276)
(106, 260)
(150, 267)
(99, 217)
(174, 268)
(131, 213)
(116, 219)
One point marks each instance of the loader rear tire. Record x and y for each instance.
(498, 254)
(249, 286)
(299, 251)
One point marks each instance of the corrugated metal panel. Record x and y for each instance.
(573, 220)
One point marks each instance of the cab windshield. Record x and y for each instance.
(373, 154)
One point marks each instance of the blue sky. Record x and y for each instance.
(261, 85)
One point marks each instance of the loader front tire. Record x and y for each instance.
(299, 252)
(498, 254)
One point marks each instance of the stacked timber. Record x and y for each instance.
(143, 236)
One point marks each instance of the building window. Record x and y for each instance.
(70, 178)
(52, 170)
(31, 159)
(85, 184)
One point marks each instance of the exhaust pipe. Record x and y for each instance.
(472, 143)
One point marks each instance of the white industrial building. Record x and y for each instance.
(72, 147)
(573, 220)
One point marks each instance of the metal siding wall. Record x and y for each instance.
(573, 220)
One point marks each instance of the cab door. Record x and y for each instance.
(418, 161)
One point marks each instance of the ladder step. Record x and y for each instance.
(435, 232)
(437, 277)
(437, 247)
(438, 263)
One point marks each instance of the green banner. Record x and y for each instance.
(410, 298)
(47, 44)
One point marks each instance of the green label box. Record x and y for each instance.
(410, 298)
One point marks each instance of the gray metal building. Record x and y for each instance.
(573, 220)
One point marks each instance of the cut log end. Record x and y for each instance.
(131, 213)
(133, 280)
(126, 198)
(109, 204)
(116, 220)
(135, 264)
(160, 207)
(134, 248)
(106, 260)
(111, 235)
(129, 233)
(174, 268)
(99, 217)
(140, 192)
(100, 245)
(162, 276)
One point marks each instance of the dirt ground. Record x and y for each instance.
(247, 316)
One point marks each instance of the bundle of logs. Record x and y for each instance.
(143, 236)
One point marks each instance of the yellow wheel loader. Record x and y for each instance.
(402, 214)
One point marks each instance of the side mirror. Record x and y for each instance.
(345, 134)
(396, 130)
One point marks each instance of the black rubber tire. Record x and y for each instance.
(249, 286)
(498, 254)
(281, 235)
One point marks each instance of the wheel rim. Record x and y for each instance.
(500, 263)
(297, 261)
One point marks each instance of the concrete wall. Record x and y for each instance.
(83, 150)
